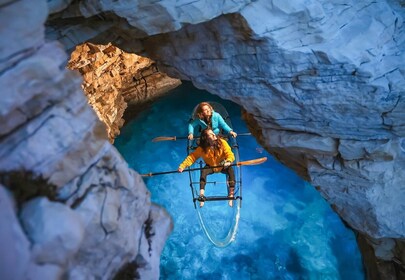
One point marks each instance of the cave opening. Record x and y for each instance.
(261, 48)
(284, 220)
(118, 85)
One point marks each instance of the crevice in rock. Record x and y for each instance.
(128, 271)
(25, 185)
(102, 211)
(31, 133)
(13, 60)
(149, 232)
(80, 199)
(78, 186)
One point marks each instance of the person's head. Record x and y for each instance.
(204, 110)
(209, 139)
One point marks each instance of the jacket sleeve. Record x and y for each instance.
(222, 124)
(195, 124)
(191, 158)
(191, 126)
(229, 156)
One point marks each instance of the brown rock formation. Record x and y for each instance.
(113, 78)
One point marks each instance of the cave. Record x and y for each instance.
(320, 86)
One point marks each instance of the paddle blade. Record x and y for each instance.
(252, 161)
(164, 138)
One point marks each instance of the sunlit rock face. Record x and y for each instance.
(101, 218)
(321, 82)
(112, 79)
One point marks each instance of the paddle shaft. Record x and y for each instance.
(247, 162)
(174, 138)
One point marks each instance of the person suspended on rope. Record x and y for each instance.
(215, 151)
(208, 118)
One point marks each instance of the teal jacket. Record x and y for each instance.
(217, 124)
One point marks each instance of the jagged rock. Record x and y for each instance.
(329, 72)
(321, 83)
(115, 205)
(156, 228)
(15, 247)
(113, 78)
(48, 129)
(53, 241)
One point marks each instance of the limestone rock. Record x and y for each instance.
(321, 83)
(156, 228)
(15, 247)
(44, 271)
(113, 78)
(56, 231)
(331, 73)
(48, 129)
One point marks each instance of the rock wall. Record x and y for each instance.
(77, 211)
(321, 83)
(323, 86)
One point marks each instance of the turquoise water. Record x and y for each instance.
(286, 230)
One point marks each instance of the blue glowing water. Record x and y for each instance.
(286, 230)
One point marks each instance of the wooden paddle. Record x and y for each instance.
(174, 138)
(168, 138)
(240, 163)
